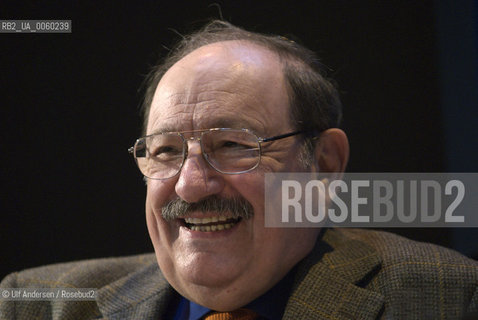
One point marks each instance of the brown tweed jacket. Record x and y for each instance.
(351, 274)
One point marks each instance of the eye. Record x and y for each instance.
(164, 152)
(165, 149)
(228, 145)
(232, 144)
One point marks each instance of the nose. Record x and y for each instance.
(197, 179)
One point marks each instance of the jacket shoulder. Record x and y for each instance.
(94, 274)
(414, 275)
(397, 249)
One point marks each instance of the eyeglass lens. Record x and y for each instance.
(228, 151)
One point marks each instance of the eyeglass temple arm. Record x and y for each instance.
(281, 136)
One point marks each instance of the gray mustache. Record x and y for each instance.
(236, 207)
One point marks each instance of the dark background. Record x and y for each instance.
(407, 71)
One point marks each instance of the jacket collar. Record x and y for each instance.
(328, 285)
(144, 294)
(329, 282)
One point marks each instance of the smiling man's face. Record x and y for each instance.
(236, 85)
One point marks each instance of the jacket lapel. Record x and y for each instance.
(328, 282)
(142, 295)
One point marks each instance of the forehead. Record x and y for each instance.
(227, 84)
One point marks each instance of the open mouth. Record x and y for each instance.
(210, 224)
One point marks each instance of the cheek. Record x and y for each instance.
(162, 234)
(250, 186)
(157, 195)
(153, 224)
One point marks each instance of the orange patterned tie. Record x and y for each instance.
(239, 314)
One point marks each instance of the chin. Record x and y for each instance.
(206, 271)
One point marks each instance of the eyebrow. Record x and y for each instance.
(233, 124)
(219, 123)
(163, 130)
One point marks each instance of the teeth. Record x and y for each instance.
(205, 220)
(200, 224)
(214, 227)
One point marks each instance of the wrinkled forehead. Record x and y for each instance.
(224, 79)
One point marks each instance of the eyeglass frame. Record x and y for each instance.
(260, 140)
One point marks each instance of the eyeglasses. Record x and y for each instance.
(230, 151)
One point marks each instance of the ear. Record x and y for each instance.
(332, 151)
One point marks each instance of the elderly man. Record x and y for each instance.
(225, 108)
